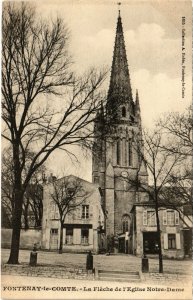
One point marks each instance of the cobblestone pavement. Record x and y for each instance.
(112, 262)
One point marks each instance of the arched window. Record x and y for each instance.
(125, 223)
(118, 152)
(130, 153)
(123, 112)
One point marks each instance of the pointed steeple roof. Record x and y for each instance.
(137, 109)
(99, 120)
(120, 87)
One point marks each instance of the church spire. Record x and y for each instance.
(120, 88)
(137, 101)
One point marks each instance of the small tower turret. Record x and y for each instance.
(137, 110)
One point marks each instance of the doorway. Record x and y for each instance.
(188, 242)
(150, 243)
(121, 245)
(54, 239)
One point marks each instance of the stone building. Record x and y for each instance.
(145, 236)
(187, 229)
(82, 225)
(116, 159)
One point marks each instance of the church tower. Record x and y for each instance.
(116, 158)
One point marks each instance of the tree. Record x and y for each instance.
(179, 129)
(178, 197)
(68, 194)
(178, 126)
(33, 195)
(159, 164)
(7, 201)
(36, 68)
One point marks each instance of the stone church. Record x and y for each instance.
(116, 160)
(117, 151)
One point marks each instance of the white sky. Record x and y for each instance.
(153, 38)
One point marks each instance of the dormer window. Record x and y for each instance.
(123, 112)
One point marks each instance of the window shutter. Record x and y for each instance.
(90, 211)
(176, 217)
(64, 236)
(165, 241)
(56, 213)
(178, 243)
(165, 217)
(145, 217)
(90, 236)
(76, 236)
(79, 212)
(66, 219)
(75, 214)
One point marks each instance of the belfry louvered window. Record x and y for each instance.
(123, 112)
(130, 153)
(118, 152)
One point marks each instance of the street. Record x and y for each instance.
(50, 278)
(122, 262)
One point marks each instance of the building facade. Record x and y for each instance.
(116, 159)
(145, 236)
(82, 225)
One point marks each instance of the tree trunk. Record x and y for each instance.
(25, 214)
(61, 239)
(18, 202)
(14, 254)
(159, 236)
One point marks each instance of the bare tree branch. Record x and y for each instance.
(68, 194)
(44, 105)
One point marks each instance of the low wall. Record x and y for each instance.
(27, 238)
(47, 271)
(164, 278)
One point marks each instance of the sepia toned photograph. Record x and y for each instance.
(96, 149)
